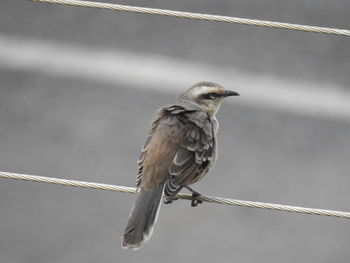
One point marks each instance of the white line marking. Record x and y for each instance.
(170, 74)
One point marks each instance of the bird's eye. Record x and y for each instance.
(211, 95)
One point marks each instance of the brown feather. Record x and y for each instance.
(177, 148)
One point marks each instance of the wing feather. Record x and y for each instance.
(192, 158)
(179, 150)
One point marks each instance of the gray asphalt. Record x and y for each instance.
(85, 130)
(296, 55)
(77, 130)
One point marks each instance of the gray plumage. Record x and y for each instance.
(143, 215)
(179, 150)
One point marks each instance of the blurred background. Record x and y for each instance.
(79, 86)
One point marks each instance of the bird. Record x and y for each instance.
(180, 149)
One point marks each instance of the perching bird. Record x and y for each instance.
(179, 150)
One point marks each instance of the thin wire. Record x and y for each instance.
(210, 199)
(198, 16)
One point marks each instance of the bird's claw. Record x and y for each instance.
(195, 201)
(170, 200)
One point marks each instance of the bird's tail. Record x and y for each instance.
(143, 217)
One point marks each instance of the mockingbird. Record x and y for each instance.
(179, 150)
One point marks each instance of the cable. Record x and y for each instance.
(208, 17)
(210, 199)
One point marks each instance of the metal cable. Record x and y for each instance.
(198, 16)
(210, 199)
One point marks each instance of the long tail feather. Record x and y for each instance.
(143, 217)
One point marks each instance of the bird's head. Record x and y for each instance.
(208, 95)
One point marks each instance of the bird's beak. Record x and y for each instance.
(229, 93)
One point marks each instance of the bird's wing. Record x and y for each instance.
(176, 151)
(192, 156)
(193, 159)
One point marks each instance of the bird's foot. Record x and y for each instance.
(195, 201)
(169, 200)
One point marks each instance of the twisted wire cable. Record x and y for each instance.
(210, 199)
(198, 16)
